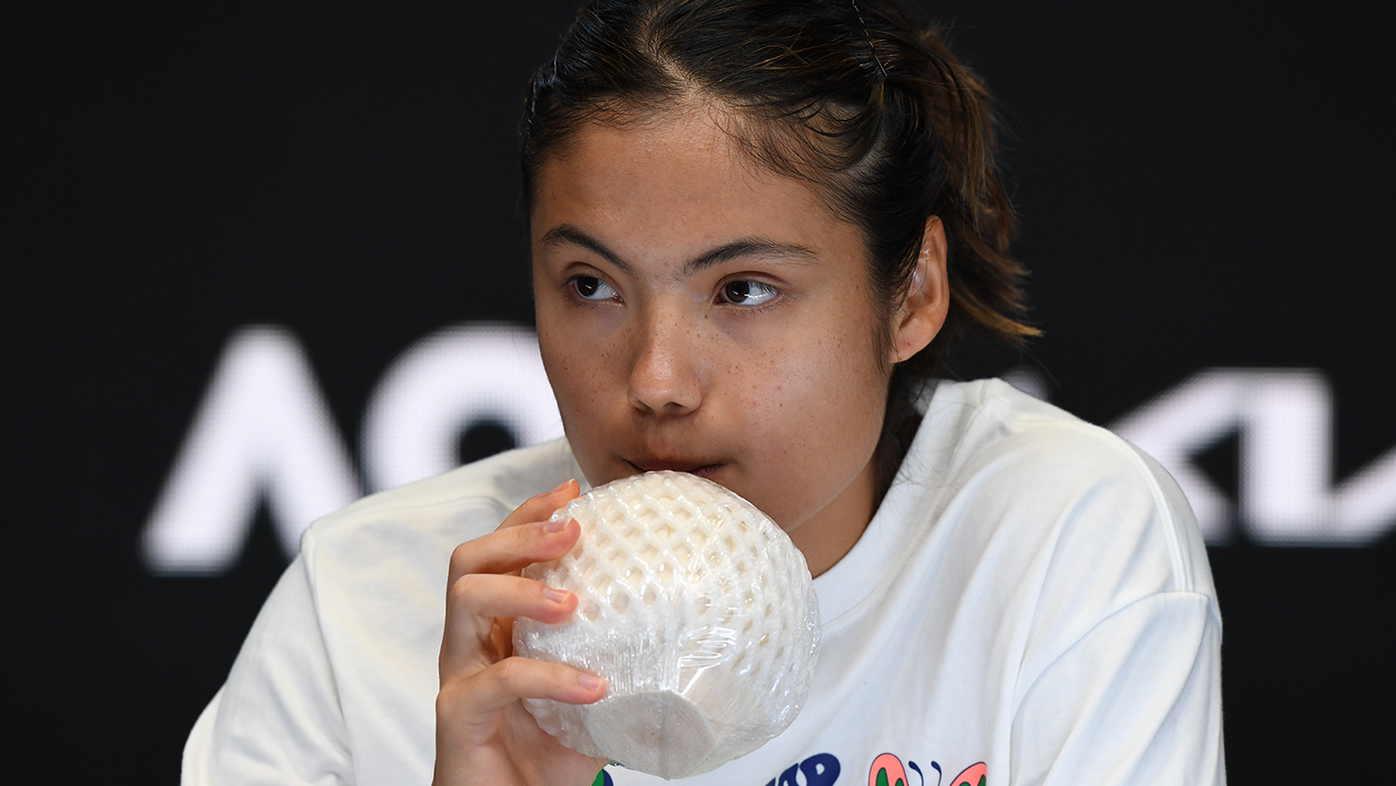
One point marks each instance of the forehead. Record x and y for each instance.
(676, 177)
(680, 151)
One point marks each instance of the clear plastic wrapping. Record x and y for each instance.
(697, 610)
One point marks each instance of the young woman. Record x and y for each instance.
(759, 229)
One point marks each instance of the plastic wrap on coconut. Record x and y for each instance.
(697, 610)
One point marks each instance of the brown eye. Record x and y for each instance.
(748, 293)
(593, 288)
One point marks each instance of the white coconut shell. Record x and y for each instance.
(697, 610)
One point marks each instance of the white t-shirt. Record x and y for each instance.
(1031, 602)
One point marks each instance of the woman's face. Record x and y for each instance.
(697, 313)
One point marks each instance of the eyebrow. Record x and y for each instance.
(737, 249)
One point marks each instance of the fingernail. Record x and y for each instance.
(589, 682)
(555, 595)
(560, 486)
(555, 525)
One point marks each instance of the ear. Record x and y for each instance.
(927, 299)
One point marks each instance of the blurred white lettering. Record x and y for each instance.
(444, 383)
(262, 431)
(1285, 421)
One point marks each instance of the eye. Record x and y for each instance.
(748, 293)
(592, 288)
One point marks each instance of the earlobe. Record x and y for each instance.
(927, 298)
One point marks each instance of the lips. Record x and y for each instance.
(654, 465)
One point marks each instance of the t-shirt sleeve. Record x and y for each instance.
(277, 720)
(1121, 679)
(1134, 701)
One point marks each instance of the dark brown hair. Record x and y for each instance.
(851, 95)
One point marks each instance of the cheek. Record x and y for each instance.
(819, 403)
(589, 390)
(575, 373)
(569, 372)
(571, 356)
(810, 434)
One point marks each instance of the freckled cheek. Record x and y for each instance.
(790, 406)
(578, 385)
(567, 373)
(575, 389)
(826, 400)
(590, 392)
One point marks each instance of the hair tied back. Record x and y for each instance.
(868, 36)
(792, 82)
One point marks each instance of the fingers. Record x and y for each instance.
(543, 505)
(509, 550)
(511, 679)
(476, 600)
(485, 588)
(493, 595)
(479, 676)
(525, 537)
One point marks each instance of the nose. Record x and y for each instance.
(665, 378)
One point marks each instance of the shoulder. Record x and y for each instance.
(339, 672)
(1074, 489)
(1067, 561)
(990, 421)
(421, 519)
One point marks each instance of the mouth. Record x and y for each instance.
(704, 471)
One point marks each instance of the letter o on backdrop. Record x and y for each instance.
(447, 382)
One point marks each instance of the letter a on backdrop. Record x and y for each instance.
(263, 431)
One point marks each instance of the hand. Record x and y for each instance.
(483, 733)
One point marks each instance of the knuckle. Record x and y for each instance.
(527, 510)
(462, 556)
(463, 588)
(448, 698)
(525, 537)
(511, 671)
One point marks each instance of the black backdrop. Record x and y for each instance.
(1201, 186)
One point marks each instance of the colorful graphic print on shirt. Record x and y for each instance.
(887, 770)
(822, 769)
